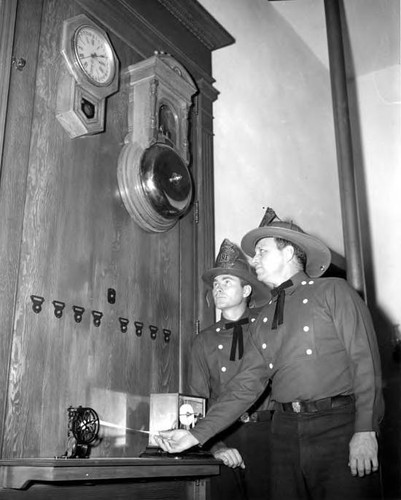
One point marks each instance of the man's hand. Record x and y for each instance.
(175, 441)
(363, 453)
(230, 457)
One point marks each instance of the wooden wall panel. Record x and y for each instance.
(78, 241)
(202, 219)
(205, 191)
(8, 9)
(66, 236)
(144, 27)
(18, 109)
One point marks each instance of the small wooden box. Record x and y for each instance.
(174, 411)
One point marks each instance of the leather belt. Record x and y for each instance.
(256, 416)
(315, 406)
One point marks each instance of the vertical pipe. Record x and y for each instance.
(346, 173)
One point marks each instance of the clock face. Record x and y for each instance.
(94, 55)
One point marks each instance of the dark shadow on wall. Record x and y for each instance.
(390, 351)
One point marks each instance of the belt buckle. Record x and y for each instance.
(296, 406)
(253, 417)
(244, 418)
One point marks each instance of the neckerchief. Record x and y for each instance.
(238, 337)
(279, 311)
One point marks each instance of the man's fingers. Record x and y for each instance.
(230, 457)
(162, 443)
(352, 466)
(361, 467)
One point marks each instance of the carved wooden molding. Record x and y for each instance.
(127, 19)
(199, 22)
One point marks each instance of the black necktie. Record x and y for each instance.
(279, 311)
(238, 338)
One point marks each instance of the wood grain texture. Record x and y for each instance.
(13, 177)
(8, 11)
(69, 238)
(203, 158)
(22, 473)
(171, 489)
(77, 242)
(148, 26)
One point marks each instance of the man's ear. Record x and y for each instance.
(247, 290)
(289, 252)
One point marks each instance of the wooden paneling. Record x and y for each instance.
(205, 192)
(66, 236)
(77, 242)
(8, 9)
(7, 24)
(183, 29)
(14, 170)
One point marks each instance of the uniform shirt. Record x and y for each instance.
(326, 346)
(211, 368)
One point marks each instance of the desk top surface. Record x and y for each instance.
(18, 473)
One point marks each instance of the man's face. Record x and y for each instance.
(269, 261)
(227, 291)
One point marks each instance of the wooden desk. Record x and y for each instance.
(105, 478)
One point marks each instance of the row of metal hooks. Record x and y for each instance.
(37, 303)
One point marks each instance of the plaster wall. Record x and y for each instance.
(274, 130)
(379, 126)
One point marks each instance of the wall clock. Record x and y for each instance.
(94, 55)
(153, 176)
(89, 75)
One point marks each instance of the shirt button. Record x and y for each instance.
(264, 320)
(223, 369)
(306, 328)
(220, 346)
(218, 329)
(305, 301)
(303, 282)
(264, 346)
(308, 352)
(311, 282)
(252, 320)
(271, 366)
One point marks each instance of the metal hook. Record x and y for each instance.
(167, 334)
(138, 328)
(37, 303)
(97, 316)
(78, 312)
(58, 308)
(123, 324)
(153, 330)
